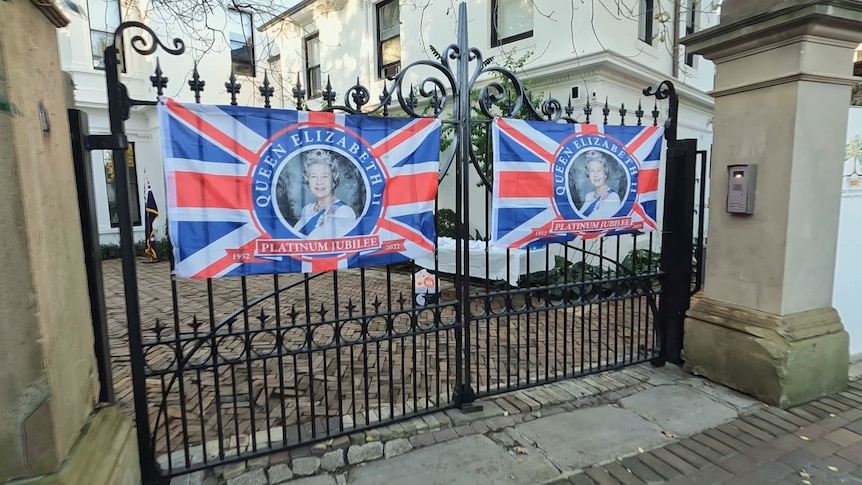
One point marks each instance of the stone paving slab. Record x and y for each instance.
(592, 435)
(469, 460)
(678, 409)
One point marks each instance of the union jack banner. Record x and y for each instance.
(557, 182)
(262, 191)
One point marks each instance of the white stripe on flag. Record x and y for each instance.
(519, 166)
(210, 168)
(526, 202)
(647, 147)
(228, 125)
(208, 214)
(648, 196)
(547, 143)
(397, 153)
(409, 209)
(415, 168)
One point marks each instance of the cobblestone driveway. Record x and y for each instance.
(333, 371)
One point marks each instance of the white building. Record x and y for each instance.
(607, 50)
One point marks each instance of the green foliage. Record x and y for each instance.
(480, 132)
(581, 280)
(162, 247)
(110, 251)
(447, 225)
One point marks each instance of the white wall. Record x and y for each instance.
(848, 265)
(568, 41)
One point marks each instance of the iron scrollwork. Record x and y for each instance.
(146, 46)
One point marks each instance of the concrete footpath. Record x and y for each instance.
(671, 427)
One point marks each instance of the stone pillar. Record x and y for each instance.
(50, 430)
(782, 92)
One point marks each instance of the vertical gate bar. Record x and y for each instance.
(79, 130)
(116, 99)
(214, 356)
(566, 303)
(309, 331)
(177, 344)
(339, 377)
(280, 347)
(462, 282)
(246, 341)
(365, 337)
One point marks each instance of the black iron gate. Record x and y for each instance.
(241, 367)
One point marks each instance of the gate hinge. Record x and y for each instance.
(107, 142)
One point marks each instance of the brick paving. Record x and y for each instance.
(816, 443)
(335, 370)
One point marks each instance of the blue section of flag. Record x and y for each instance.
(198, 234)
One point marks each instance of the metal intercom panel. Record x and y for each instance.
(741, 181)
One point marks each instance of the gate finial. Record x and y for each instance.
(232, 87)
(266, 90)
(299, 93)
(195, 83)
(159, 82)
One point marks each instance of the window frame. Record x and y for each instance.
(308, 67)
(108, 35)
(691, 21)
(381, 68)
(647, 21)
(137, 215)
(249, 43)
(496, 40)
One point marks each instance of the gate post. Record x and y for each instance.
(79, 129)
(118, 109)
(464, 392)
(676, 246)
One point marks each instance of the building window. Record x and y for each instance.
(691, 27)
(241, 38)
(511, 20)
(104, 16)
(111, 186)
(312, 65)
(645, 19)
(388, 38)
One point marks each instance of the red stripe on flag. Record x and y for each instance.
(524, 184)
(324, 264)
(215, 191)
(321, 117)
(407, 234)
(211, 131)
(640, 139)
(647, 180)
(222, 264)
(525, 141)
(409, 189)
(401, 136)
(589, 129)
